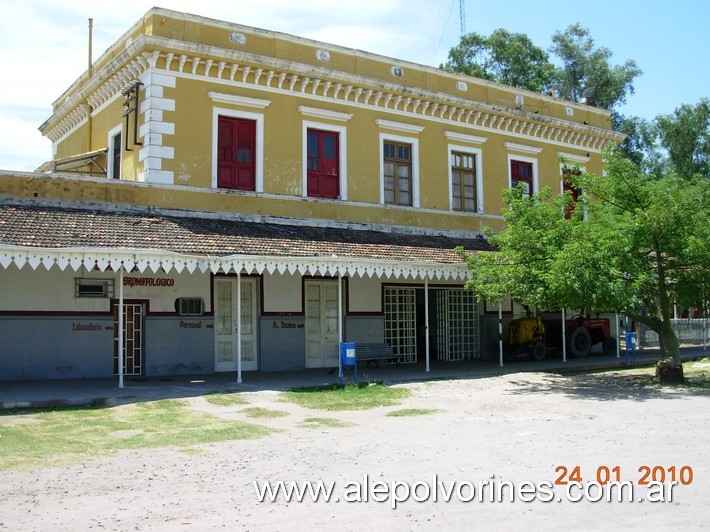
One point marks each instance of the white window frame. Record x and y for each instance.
(342, 155)
(234, 113)
(478, 155)
(415, 168)
(118, 130)
(522, 158)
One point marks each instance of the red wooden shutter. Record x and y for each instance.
(323, 171)
(236, 153)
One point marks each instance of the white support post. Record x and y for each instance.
(500, 334)
(120, 328)
(239, 328)
(564, 337)
(426, 320)
(618, 353)
(340, 323)
(705, 326)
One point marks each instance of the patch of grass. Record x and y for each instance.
(65, 435)
(696, 373)
(407, 412)
(351, 397)
(263, 413)
(225, 399)
(321, 422)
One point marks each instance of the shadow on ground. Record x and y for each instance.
(605, 387)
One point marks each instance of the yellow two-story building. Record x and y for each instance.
(223, 198)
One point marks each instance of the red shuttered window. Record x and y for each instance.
(236, 153)
(521, 173)
(323, 164)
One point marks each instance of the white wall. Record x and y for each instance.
(53, 290)
(365, 294)
(282, 293)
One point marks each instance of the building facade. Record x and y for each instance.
(249, 199)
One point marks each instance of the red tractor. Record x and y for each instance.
(581, 334)
(533, 336)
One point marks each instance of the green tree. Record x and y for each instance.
(641, 143)
(678, 143)
(685, 135)
(586, 72)
(632, 244)
(513, 59)
(509, 58)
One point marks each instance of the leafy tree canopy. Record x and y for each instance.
(631, 245)
(678, 143)
(505, 57)
(586, 72)
(685, 135)
(512, 58)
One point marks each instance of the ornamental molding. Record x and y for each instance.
(324, 113)
(241, 69)
(398, 126)
(462, 137)
(573, 158)
(522, 148)
(243, 101)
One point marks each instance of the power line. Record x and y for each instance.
(462, 16)
(451, 9)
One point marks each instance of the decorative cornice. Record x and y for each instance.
(238, 68)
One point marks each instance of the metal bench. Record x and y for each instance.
(374, 352)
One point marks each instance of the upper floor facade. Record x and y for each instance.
(207, 115)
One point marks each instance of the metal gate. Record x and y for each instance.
(401, 322)
(132, 339)
(457, 328)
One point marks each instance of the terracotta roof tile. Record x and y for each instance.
(53, 227)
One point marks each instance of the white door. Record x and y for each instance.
(225, 324)
(322, 324)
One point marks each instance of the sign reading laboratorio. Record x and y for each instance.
(148, 281)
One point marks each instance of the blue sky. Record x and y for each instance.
(43, 43)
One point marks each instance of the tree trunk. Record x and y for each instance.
(670, 346)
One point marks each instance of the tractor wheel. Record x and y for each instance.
(537, 351)
(579, 343)
(609, 346)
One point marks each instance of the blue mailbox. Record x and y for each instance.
(347, 353)
(631, 345)
(347, 358)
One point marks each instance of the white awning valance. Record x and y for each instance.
(156, 260)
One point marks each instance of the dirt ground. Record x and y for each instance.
(518, 427)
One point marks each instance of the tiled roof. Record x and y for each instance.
(55, 227)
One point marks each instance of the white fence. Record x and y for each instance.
(689, 332)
